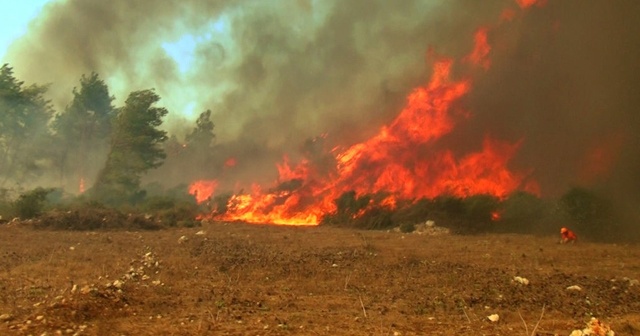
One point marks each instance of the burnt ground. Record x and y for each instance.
(238, 279)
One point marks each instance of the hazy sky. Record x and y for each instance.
(15, 17)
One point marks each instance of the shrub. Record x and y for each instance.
(348, 207)
(375, 218)
(407, 227)
(469, 215)
(95, 218)
(523, 212)
(590, 212)
(31, 203)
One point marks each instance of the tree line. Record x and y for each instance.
(91, 143)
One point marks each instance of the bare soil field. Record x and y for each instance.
(238, 279)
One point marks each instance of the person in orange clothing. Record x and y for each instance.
(567, 236)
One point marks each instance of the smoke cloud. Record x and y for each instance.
(563, 77)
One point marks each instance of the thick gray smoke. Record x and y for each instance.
(563, 77)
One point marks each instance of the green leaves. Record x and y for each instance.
(83, 130)
(24, 132)
(135, 148)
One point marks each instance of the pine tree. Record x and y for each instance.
(136, 147)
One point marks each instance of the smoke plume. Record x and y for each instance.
(562, 79)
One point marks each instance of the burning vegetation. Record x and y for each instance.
(443, 145)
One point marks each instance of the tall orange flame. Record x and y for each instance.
(203, 189)
(401, 161)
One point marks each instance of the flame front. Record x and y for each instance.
(401, 161)
(202, 189)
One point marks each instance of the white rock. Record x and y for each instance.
(118, 284)
(182, 239)
(200, 233)
(493, 317)
(574, 288)
(521, 280)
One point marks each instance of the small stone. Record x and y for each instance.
(574, 288)
(6, 317)
(493, 317)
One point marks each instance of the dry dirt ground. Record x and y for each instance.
(238, 279)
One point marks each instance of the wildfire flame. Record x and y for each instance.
(203, 189)
(401, 161)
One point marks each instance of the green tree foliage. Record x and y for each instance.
(136, 147)
(24, 132)
(83, 130)
(202, 135)
(199, 148)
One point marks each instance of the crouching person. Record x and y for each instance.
(567, 236)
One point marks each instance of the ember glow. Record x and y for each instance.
(529, 3)
(479, 55)
(81, 186)
(231, 162)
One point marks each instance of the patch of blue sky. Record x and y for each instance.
(183, 50)
(15, 17)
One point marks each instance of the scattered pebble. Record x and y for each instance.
(118, 284)
(574, 288)
(521, 280)
(493, 317)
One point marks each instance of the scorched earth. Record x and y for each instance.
(238, 279)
